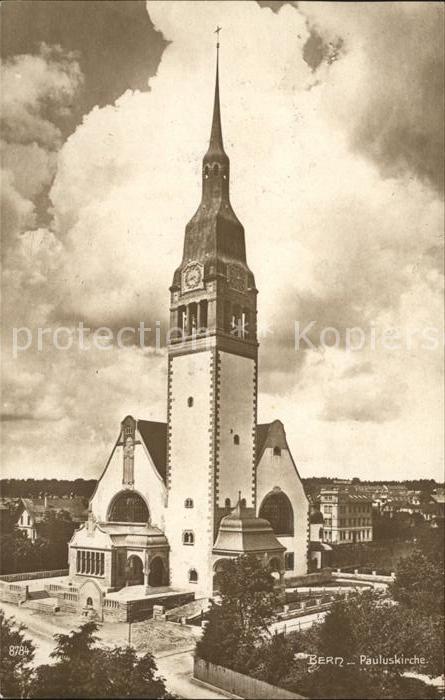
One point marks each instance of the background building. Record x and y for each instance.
(347, 517)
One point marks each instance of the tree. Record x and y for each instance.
(17, 654)
(57, 529)
(372, 625)
(238, 623)
(129, 676)
(18, 553)
(419, 582)
(85, 670)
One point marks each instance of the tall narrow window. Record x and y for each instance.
(227, 316)
(277, 451)
(236, 439)
(192, 314)
(193, 576)
(203, 306)
(289, 561)
(227, 503)
(188, 503)
(190, 401)
(245, 323)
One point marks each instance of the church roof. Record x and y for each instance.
(154, 435)
(242, 532)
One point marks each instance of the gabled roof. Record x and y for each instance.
(77, 507)
(154, 435)
(270, 435)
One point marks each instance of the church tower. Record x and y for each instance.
(212, 374)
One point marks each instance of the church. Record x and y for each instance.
(176, 500)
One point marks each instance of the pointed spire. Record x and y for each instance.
(216, 139)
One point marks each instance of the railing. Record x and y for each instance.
(114, 604)
(356, 576)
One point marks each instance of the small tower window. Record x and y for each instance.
(216, 169)
(193, 576)
(227, 503)
(190, 401)
(188, 503)
(188, 537)
(236, 439)
(277, 451)
(206, 171)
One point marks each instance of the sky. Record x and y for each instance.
(333, 121)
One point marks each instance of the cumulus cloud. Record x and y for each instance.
(342, 228)
(387, 92)
(37, 90)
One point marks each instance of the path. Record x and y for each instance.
(176, 667)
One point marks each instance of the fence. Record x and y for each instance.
(28, 576)
(238, 683)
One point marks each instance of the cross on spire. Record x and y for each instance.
(217, 31)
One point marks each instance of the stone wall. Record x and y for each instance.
(12, 592)
(33, 575)
(314, 579)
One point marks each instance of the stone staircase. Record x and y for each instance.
(189, 611)
(41, 602)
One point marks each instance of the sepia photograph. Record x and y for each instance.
(222, 354)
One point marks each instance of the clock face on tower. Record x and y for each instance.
(192, 277)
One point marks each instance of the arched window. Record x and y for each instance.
(129, 507)
(206, 171)
(190, 401)
(188, 537)
(193, 576)
(236, 439)
(227, 503)
(216, 169)
(90, 602)
(188, 503)
(277, 451)
(277, 509)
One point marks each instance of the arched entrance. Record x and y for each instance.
(218, 570)
(157, 573)
(277, 509)
(134, 571)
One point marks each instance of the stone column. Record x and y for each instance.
(146, 573)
